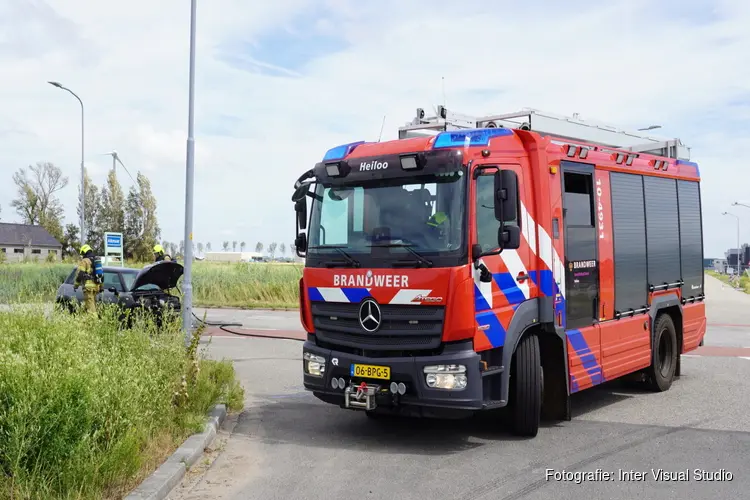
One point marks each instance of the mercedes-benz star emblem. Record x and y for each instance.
(369, 315)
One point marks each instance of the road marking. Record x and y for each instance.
(747, 358)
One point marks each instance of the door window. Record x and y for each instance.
(487, 225)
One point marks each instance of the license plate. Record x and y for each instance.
(370, 371)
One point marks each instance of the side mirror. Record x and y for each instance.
(300, 193)
(485, 276)
(509, 237)
(300, 244)
(300, 206)
(506, 195)
(112, 289)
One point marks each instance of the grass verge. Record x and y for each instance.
(744, 280)
(88, 410)
(246, 285)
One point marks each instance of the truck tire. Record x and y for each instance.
(663, 354)
(527, 387)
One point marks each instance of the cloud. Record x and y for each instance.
(279, 83)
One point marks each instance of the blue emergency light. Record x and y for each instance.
(462, 138)
(340, 152)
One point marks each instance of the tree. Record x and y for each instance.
(70, 242)
(282, 248)
(200, 248)
(37, 203)
(242, 246)
(208, 246)
(112, 212)
(272, 249)
(234, 246)
(92, 201)
(141, 222)
(225, 246)
(259, 247)
(173, 249)
(133, 224)
(181, 250)
(292, 248)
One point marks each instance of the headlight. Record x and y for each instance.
(450, 377)
(314, 365)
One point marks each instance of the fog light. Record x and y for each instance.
(401, 388)
(341, 383)
(335, 383)
(450, 377)
(314, 365)
(394, 387)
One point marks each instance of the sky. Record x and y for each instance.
(279, 83)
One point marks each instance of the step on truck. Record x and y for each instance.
(477, 263)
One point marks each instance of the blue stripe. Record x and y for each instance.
(356, 294)
(574, 383)
(692, 164)
(587, 357)
(508, 286)
(315, 295)
(544, 280)
(480, 303)
(495, 331)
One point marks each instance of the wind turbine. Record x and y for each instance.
(116, 160)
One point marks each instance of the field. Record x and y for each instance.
(88, 410)
(247, 285)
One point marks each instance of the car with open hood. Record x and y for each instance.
(148, 288)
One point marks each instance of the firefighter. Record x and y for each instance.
(85, 277)
(160, 255)
(439, 222)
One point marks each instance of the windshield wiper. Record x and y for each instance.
(421, 259)
(349, 259)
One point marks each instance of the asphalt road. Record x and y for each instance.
(287, 444)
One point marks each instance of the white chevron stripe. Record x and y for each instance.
(484, 288)
(551, 258)
(406, 296)
(515, 267)
(333, 294)
(528, 228)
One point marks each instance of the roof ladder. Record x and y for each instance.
(570, 129)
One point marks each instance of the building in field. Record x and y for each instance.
(233, 257)
(20, 241)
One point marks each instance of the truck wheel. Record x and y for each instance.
(663, 354)
(527, 387)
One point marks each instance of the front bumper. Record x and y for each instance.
(408, 370)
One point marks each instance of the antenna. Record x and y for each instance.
(443, 81)
(381, 129)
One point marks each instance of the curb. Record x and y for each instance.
(169, 474)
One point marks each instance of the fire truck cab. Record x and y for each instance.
(500, 261)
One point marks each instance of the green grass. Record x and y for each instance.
(88, 410)
(744, 280)
(247, 285)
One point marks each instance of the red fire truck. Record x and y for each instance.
(508, 261)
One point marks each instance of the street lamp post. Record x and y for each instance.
(738, 242)
(83, 174)
(187, 284)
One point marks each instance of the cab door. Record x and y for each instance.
(581, 275)
(496, 301)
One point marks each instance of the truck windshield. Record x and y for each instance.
(422, 214)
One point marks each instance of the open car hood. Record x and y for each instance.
(164, 274)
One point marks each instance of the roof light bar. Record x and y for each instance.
(466, 138)
(341, 151)
(584, 153)
(571, 151)
(333, 169)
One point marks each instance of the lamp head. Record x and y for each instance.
(55, 84)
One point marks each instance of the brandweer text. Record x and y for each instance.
(389, 281)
